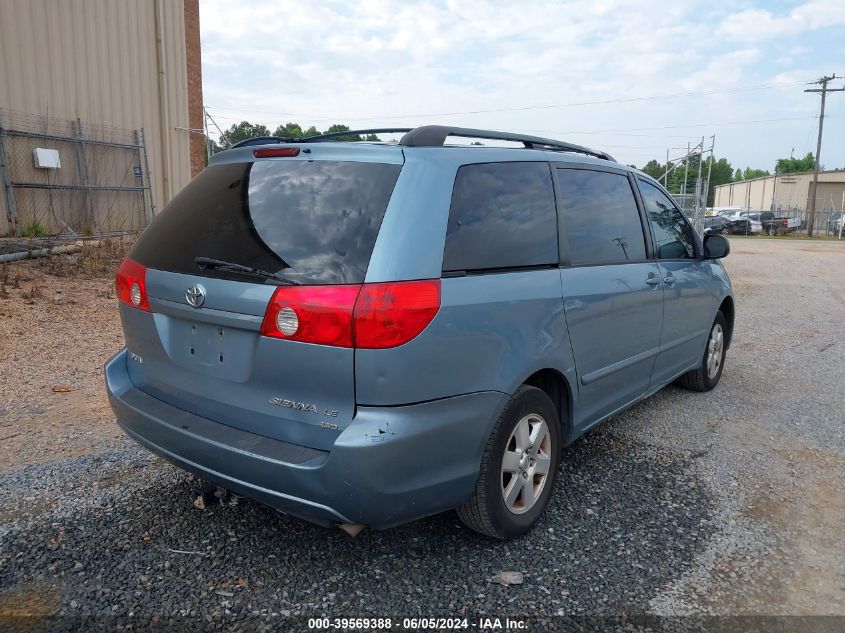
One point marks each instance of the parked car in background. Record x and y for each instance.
(773, 224)
(720, 211)
(717, 225)
(363, 334)
(741, 223)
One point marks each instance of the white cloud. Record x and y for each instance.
(377, 62)
(762, 24)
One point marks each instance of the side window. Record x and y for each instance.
(672, 233)
(502, 216)
(600, 217)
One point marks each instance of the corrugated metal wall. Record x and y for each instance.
(785, 192)
(108, 62)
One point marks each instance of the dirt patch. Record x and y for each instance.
(28, 600)
(813, 512)
(59, 323)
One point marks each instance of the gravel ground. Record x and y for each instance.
(728, 503)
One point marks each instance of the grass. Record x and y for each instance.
(34, 229)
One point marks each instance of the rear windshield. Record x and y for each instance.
(310, 221)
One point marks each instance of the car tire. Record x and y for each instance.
(706, 376)
(487, 511)
(772, 231)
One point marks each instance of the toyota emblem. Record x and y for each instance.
(195, 295)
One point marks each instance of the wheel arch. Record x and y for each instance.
(727, 309)
(557, 387)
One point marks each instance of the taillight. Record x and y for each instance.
(370, 316)
(391, 314)
(312, 314)
(130, 285)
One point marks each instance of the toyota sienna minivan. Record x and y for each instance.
(363, 334)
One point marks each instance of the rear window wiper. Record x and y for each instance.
(207, 263)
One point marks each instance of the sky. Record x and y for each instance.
(633, 78)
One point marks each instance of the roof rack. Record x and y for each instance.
(436, 135)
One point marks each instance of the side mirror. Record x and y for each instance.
(716, 246)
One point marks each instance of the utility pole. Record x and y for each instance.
(811, 203)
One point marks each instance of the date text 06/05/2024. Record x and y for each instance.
(418, 623)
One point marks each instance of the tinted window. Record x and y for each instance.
(600, 217)
(312, 221)
(672, 233)
(502, 216)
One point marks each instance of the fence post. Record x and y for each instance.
(8, 191)
(82, 170)
(150, 210)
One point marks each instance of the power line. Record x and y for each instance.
(671, 127)
(675, 95)
(622, 131)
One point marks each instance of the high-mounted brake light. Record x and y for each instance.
(130, 285)
(275, 152)
(368, 316)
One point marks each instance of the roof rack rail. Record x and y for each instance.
(436, 135)
(260, 140)
(331, 135)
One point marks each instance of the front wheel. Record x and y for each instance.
(518, 467)
(707, 374)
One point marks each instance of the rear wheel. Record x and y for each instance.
(518, 467)
(707, 374)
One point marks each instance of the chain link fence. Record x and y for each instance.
(827, 218)
(790, 219)
(693, 205)
(96, 179)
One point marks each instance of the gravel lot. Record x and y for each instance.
(724, 503)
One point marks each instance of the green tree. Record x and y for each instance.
(339, 127)
(654, 169)
(792, 165)
(750, 173)
(242, 131)
(289, 130)
(721, 173)
(211, 148)
(294, 130)
(738, 175)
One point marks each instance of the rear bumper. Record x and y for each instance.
(391, 465)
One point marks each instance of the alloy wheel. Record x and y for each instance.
(715, 351)
(526, 464)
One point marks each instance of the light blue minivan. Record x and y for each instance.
(363, 334)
